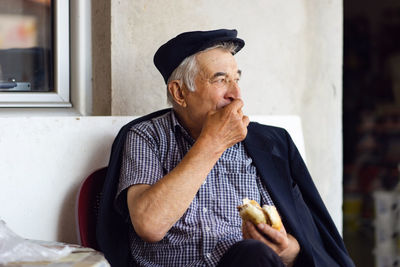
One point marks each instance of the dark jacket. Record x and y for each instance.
(288, 182)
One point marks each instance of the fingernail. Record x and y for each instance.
(261, 226)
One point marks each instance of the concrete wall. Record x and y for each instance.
(291, 65)
(101, 51)
(43, 161)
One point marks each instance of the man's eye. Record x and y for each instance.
(220, 80)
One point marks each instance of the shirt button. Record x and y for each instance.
(208, 229)
(208, 255)
(204, 210)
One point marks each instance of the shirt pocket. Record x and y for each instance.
(230, 190)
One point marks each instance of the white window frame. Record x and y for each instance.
(61, 95)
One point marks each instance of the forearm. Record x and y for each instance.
(154, 210)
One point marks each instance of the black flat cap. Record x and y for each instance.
(171, 54)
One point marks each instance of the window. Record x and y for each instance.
(34, 53)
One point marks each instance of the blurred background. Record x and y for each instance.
(371, 131)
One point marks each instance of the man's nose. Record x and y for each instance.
(233, 91)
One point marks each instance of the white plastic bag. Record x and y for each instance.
(14, 248)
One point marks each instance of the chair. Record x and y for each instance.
(87, 205)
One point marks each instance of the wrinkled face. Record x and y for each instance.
(216, 85)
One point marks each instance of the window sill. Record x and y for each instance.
(38, 112)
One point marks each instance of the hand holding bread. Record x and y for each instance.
(284, 244)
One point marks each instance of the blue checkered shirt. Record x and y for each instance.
(212, 223)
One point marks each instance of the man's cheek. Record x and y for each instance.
(222, 105)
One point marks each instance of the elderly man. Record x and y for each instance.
(183, 172)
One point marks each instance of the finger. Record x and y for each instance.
(245, 121)
(270, 229)
(254, 233)
(235, 105)
(275, 236)
(244, 231)
(247, 226)
(245, 235)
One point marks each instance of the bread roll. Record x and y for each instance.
(251, 211)
(273, 217)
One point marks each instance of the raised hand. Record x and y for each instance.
(226, 126)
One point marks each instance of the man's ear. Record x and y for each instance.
(175, 89)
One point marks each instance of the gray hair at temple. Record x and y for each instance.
(186, 71)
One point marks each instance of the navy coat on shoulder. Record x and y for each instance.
(283, 172)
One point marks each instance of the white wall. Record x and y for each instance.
(291, 65)
(43, 161)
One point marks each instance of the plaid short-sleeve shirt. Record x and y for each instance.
(212, 223)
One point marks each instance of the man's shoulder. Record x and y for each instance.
(149, 123)
(267, 136)
(266, 131)
(143, 120)
(121, 136)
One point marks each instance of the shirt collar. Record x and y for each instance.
(179, 129)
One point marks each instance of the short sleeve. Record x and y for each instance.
(140, 164)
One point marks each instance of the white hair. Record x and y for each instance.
(186, 72)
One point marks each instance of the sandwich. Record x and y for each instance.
(250, 210)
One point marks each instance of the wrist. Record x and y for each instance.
(293, 251)
(210, 145)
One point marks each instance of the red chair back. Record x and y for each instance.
(88, 202)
